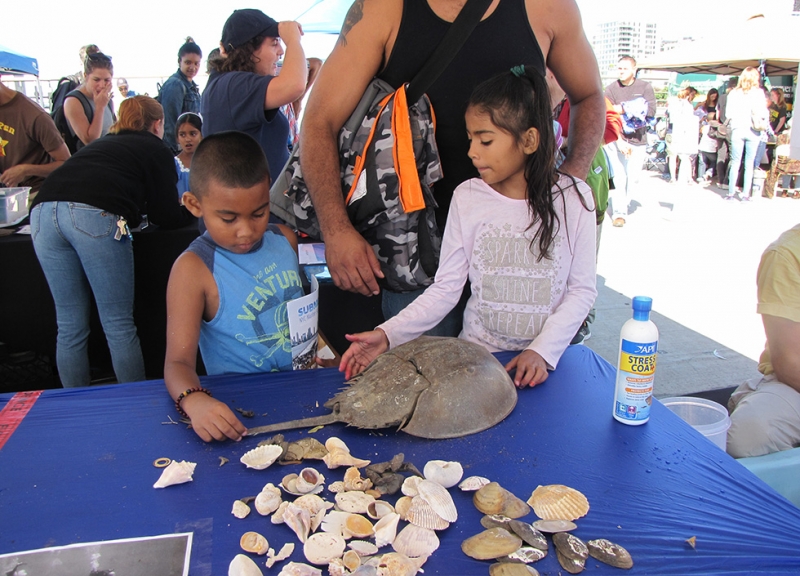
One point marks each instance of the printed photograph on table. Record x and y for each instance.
(302, 313)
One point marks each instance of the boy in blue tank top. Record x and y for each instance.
(228, 291)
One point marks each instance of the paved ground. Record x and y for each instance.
(696, 255)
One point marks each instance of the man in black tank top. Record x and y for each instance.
(392, 39)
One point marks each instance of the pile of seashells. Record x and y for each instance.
(515, 544)
(347, 535)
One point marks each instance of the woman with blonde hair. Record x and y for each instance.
(80, 223)
(748, 117)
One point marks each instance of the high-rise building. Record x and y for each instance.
(619, 38)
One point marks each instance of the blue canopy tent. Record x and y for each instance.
(316, 16)
(15, 63)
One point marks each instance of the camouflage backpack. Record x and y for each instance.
(388, 160)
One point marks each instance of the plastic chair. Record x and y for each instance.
(781, 470)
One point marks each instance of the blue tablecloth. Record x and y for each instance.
(80, 468)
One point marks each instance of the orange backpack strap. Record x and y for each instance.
(405, 162)
(358, 167)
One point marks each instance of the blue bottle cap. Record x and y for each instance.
(641, 307)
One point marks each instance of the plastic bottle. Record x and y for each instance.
(638, 346)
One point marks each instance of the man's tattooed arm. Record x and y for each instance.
(353, 17)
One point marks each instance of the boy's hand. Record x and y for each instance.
(212, 419)
(531, 369)
(365, 347)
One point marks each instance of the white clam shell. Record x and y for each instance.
(414, 541)
(410, 484)
(176, 473)
(447, 474)
(240, 509)
(362, 547)
(322, 547)
(439, 498)
(356, 502)
(261, 457)
(386, 529)
(241, 565)
(268, 500)
(299, 569)
(473, 483)
(254, 543)
(378, 509)
(422, 514)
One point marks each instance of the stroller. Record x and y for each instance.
(657, 148)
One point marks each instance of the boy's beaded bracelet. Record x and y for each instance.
(184, 395)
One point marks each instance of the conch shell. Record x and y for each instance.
(339, 455)
(176, 473)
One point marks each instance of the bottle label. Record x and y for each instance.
(637, 367)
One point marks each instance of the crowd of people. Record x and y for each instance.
(520, 214)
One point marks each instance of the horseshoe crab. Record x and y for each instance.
(430, 387)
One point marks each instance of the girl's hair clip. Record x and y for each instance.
(518, 71)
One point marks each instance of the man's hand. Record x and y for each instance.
(212, 419)
(14, 175)
(531, 369)
(365, 347)
(352, 263)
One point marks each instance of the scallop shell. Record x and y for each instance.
(358, 526)
(414, 541)
(299, 520)
(422, 514)
(261, 457)
(439, 498)
(362, 547)
(254, 542)
(351, 560)
(322, 547)
(299, 569)
(610, 553)
(277, 517)
(175, 473)
(241, 565)
(356, 502)
(285, 551)
(268, 500)
(378, 509)
(334, 521)
(354, 481)
(240, 509)
(490, 544)
(386, 529)
(558, 502)
(448, 474)
(473, 483)
(410, 484)
(402, 505)
(309, 481)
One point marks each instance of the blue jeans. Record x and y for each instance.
(393, 302)
(743, 140)
(76, 248)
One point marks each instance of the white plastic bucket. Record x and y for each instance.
(707, 417)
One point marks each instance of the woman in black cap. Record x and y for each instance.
(245, 93)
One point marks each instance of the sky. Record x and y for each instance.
(143, 36)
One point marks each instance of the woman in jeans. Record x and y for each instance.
(747, 104)
(97, 91)
(80, 223)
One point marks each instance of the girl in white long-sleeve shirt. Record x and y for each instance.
(523, 233)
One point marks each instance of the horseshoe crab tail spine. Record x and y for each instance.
(323, 420)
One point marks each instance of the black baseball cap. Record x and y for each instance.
(244, 25)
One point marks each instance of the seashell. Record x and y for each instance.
(277, 517)
(528, 533)
(358, 526)
(554, 526)
(447, 474)
(386, 529)
(610, 553)
(299, 520)
(336, 487)
(366, 570)
(334, 521)
(473, 483)
(402, 505)
(514, 507)
(240, 509)
(414, 541)
(422, 514)
(490, 544)
(312, 448)
(268, 500)
(299, 569)
(410, 484)
(558, 502)
(289, 484)
(261, 457)
(334, 443)
(241, 565)
(339, 455)
(312, 503)
(351, 560)
(354, 481)
(573, 566)
(322, 547)
(285, 551)
(355, 502)
(511, 569)
(378, 509)
(496, 521)
(439, 498)
(527, 554)
(570, 546)
(317, 518)
(309, 481)
(254, 542)
(175, 473)
(397, 564)
(336, 568)
(490, 498)
(362, 547)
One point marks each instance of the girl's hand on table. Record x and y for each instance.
(365, 347)
(531, 369)
(212, 419)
